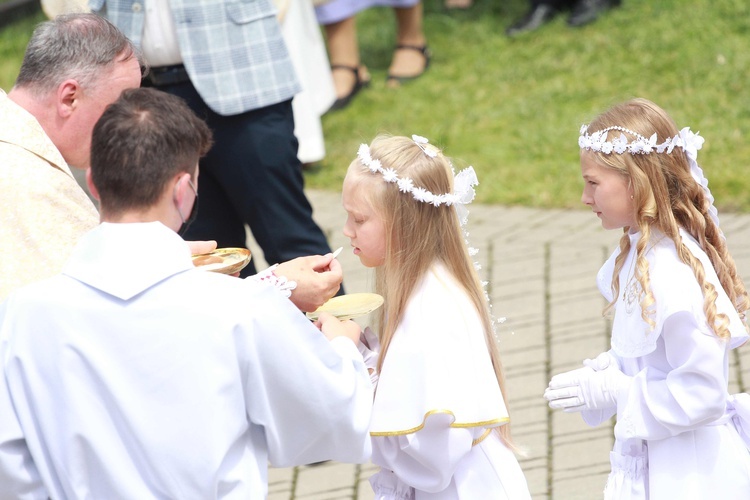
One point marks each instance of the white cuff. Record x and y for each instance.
(282, 284)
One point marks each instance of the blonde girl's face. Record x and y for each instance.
(364, 228)
(607, 192)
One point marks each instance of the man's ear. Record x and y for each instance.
(68, 95)
(90, 183)
(181, 188)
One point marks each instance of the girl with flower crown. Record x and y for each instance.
(439, 425)
(679, 309)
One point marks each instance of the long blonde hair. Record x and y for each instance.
(667, 198)
(418, 234)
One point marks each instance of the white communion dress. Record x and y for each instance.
(679, 433)
(438, 404)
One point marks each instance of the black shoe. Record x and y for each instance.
(533, 20)
(586, 11)
(359, 84)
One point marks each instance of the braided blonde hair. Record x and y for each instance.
(667, 198)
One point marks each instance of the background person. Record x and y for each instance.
(411, 57)
(543, 11)
(308, 52)
(229, 62)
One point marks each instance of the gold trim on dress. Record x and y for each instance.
(481, 438)
(494, 422)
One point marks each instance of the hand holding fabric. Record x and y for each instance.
(586, 389)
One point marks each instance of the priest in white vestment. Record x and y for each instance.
(135, 375)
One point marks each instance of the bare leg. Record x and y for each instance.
(343, 50)
(458, 4)
(408, 63)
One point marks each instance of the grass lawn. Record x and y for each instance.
(512, 107)
(13, 40)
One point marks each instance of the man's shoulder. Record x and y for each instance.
(41, 194)
(23, 160)
(24, 143)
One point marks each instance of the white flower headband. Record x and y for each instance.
(689, 141)
(463, 184)
(463, 194)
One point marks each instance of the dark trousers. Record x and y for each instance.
(252, 176)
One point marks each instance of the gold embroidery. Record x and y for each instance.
(462, 425)
(481, 438)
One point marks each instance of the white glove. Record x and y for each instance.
(601, 362)
(586, 389)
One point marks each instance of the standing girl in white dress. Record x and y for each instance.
(438, 425)
(679, 309)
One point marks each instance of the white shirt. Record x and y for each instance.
(135, 375)
(159, 44)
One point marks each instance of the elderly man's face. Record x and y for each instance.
(126, 74)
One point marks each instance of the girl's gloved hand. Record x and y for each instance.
(601, 362)
(586, 389)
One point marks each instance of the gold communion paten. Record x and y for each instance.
(349, 306)
(223, 260)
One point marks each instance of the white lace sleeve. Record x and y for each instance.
(387, 486)
(281, 283)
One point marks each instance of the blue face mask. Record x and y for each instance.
(193, 213)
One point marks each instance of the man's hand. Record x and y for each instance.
(318, 278)
(204, 247)
(201, 247)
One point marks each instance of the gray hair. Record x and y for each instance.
(76, 46)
